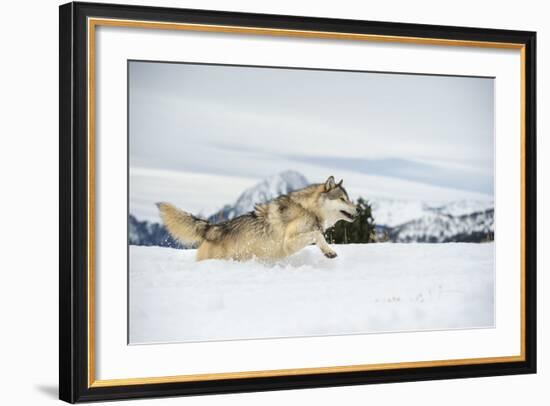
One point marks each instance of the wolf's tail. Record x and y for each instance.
(183, 226)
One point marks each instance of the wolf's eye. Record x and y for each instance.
(342, 199)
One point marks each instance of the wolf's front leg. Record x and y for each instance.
(323, 245)
(296, 242)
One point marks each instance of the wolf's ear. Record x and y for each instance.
(340, 183)
(330, 183)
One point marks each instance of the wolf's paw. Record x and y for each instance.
(330, 254)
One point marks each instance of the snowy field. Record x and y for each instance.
(366, 289)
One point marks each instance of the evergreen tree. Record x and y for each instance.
(361, 231)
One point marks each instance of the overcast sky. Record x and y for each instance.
(255, 122)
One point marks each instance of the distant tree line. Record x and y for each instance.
(360, 231)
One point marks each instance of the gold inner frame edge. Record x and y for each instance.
(93, 22)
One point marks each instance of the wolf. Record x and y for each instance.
(272, 231)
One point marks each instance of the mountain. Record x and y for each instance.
(444, 227)
(395, 212)
(149, 234)
(396, 220)
(413, 221)
(268, 189)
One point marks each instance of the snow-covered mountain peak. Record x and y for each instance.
(269, 189)
(395, 212)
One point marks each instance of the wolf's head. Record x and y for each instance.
(335, 204)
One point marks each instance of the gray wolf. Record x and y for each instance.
(274, 230)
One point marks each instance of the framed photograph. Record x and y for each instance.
(257, 202)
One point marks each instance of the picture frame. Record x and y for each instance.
(79, 324)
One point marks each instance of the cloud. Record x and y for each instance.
(465, 178)
(249, 121)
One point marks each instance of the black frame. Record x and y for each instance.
(73, 196)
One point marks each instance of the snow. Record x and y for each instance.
(369, 288)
